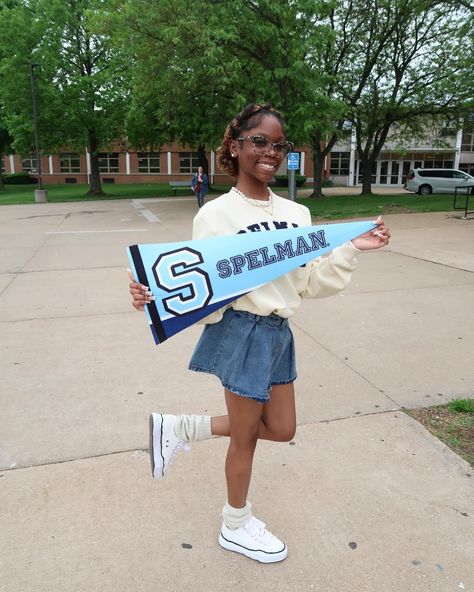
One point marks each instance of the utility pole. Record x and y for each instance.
(41, 194)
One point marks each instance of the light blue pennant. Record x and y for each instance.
(192, 279)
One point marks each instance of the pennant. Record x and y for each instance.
(192, 279)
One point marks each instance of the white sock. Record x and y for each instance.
(236, 517)
(192, 428)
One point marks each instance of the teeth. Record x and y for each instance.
(266, 166)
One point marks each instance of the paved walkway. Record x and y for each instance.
(366, 499)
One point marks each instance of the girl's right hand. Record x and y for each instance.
(141, 294)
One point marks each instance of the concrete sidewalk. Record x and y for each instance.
(366, 499)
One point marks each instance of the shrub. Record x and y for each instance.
(282, 180)
(19, 179)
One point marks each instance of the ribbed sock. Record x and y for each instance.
(192, 428)
(236, 517)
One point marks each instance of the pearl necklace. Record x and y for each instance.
(259, 203)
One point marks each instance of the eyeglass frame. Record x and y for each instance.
(272, 144)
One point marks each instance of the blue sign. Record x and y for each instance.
(293, 161)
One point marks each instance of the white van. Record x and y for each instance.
(426, 181)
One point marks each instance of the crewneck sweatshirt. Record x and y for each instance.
(327, 275)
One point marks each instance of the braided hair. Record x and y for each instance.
(247, 119)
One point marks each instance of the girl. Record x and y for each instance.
(249, 344)
(199, 184)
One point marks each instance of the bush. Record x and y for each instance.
(19, 179)
(282, 180)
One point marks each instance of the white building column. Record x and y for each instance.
(457, 150)
(127, 163)
(350, 181)
(213, 166)
(12, 163)
(168, 155)
(50, 162)
(88, 164)
(302, 155)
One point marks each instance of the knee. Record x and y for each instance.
(247, 441)
(285, 434)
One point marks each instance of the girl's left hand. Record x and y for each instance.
(374, 239)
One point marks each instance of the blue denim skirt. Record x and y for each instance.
(248, 352)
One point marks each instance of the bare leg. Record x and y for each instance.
(278, 420)
(247, 421)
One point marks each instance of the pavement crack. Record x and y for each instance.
(52, 463)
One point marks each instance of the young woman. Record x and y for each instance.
(249, 344)
(200, 185)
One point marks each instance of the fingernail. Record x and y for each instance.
(148, 293)
(144, 287)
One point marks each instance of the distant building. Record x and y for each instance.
(171, 163)
(443, 148)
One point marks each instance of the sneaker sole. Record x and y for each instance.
(260, 556)
(156, 464)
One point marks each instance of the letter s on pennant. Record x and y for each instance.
(177, 271)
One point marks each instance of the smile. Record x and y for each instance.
(267, 166)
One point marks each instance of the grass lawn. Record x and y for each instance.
(353, 206)
(331, 207)
(23, 194)
(453, 424)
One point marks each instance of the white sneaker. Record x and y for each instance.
(253, 540)
(164, 444)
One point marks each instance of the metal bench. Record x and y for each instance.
(469, 191)
(180, 184)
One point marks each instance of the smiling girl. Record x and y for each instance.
(249, 345)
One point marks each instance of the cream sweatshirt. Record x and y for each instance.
(325, 276)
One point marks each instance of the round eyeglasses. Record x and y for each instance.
(262, 145)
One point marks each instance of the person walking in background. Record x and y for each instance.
(248, 344)
(200, 185)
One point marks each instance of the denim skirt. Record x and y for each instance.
(248, 352)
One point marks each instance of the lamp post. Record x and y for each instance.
(41, 194)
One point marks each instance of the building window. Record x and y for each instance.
(188, 162)
(467, 167)
(69, 163)
(108, 163)
(29, 165)
(148, 162)
(339, 163)
(467, 142)
(2, 164)
(438, 161)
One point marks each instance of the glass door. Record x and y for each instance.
(395, 173)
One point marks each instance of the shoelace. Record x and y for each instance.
(256, 529)
(184, 445)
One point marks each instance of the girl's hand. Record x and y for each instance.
(374, 239)
(141, 294)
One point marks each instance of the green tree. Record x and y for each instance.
(423, 76)
(81, 87)
(196, 63)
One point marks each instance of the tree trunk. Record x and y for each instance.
(318, 164)
(366, 176)
(2, 183)
(204, 163)
(318, 169)
(95, 185)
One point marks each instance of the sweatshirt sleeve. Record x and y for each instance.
(331, 273)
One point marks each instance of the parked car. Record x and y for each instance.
(426, 181)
